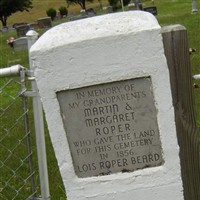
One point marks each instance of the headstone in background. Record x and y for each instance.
(22, 30)
(138, 4)
(58, 15)
(15, 25)
(109, 9)
(20, 44)
(71, 16)
(33, 25)
(4, 29)
(131, 6)
(109, 113)
(44, 22)
(91, 12)
(83, 13)
(152, 10)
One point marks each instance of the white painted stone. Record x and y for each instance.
(99, 50)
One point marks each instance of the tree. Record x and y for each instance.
(82, 3)
(8, 7)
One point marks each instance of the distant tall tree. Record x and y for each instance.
(81, 3)
(8, 7)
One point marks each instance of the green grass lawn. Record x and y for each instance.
(169, 12)
(41, 6)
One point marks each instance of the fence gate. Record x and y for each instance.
(17, 175)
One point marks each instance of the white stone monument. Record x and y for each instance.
(104, 85)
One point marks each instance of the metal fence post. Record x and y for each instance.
(32, 36)
(27, 130)
(11, 71)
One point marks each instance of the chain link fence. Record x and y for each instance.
(17, 175)
(23, 134)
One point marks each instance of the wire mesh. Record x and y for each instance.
(195, 64)
(16, 165)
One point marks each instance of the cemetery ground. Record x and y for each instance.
(169, 12)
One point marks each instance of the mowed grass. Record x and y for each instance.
(169, 12)
(39, 10)
(179, 12)
(41, 6)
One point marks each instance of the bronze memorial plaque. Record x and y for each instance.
(111, 127)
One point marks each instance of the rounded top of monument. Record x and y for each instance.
(32, 33)
(96, 27)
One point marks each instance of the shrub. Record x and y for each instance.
(51, 12)
(63, 11)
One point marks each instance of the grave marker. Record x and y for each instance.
(109, 113)
(152, 10)
(117, 129)
(131, 6)
(20, 44)
(22, 30)
(44, 22)
(33, 25)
